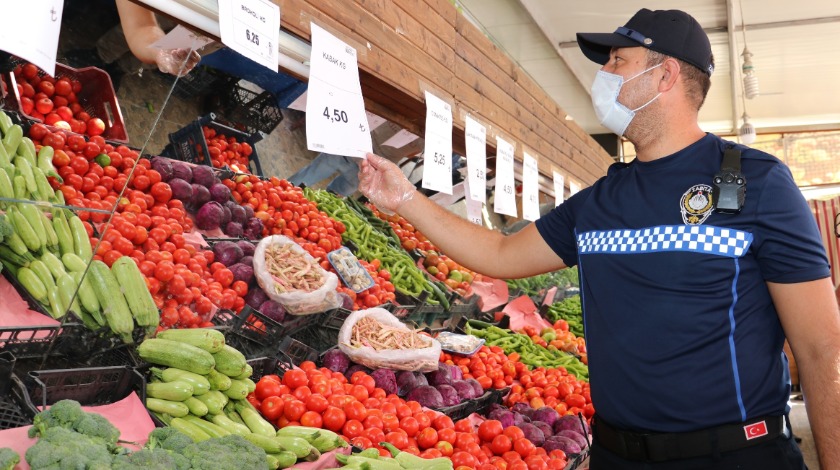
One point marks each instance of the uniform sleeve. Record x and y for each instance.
(788, 244)
(558, 227)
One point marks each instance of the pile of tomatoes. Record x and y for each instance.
(553, 388)
(226, 151)
(365, 416)
(54, 101)
(490, 366)
(379, 294)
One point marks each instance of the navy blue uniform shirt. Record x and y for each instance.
(680, 328)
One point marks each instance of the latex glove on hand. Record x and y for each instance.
(177, 61)
(384, 184)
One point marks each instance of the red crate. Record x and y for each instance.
(97, 98)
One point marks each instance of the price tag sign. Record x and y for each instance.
(476, 138)
(574, 187)
(505, 201)
(530, 188)
(31, 31)
(336, 121)
(437, 156)
(474, 208)
(558, 189)
(251, 28)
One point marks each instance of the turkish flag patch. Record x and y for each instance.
(756, 430)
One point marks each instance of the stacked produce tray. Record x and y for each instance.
(246, 334)
(12, 395)
(189, 144)
(254, 112)
(88, 386)
(323, 335)
(297, 351)
(97, 97)
(269, 365)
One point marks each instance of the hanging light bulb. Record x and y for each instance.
(750, 78)
(746, 133)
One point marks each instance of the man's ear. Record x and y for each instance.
(670, 74)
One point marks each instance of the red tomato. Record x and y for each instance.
(294, 410)
(462, 458)
(295, 378)
(352, 429)
(427, 438)
(272, 407)
(501, 444)
(334, 418)
(489, 429)
(267, 387)
(317, 403)
(311, 419)
(523, 447)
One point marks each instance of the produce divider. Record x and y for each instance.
(189, 144)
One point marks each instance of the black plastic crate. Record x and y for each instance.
(13, 409)
(297, 351)
(255, 340)
(202, 81)
(248, 110)
(88, 386)
(189, 145)
(263, 366)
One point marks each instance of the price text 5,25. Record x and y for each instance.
(336, 116)
(439, 159)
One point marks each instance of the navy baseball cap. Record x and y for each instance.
(671, 32)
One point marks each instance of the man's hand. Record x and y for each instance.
(384, 184)
(177, 61)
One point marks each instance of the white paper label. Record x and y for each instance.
(31, 31)
(474, 208)
(251, 28)
(574, 187)
(505, 200)
(374, 121)
(530, 188)
(400, 139)
(437, 155)
(181, 38)
(558, 189)
(476, 139)
(446, 200)
(336, 121)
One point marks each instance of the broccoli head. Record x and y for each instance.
(169, 439)
(145, 459)
(6, 229)
(8, 458)
(64, 414)
(68, 414)
(60, 448)
(96, 425)
(231, 452)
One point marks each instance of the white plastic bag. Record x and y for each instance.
(295, 302)
(419, 360)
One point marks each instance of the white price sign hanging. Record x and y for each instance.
(31, 32)
(474, 208)
(530, 188)
(476, 138)
(574, 187)
(251, 28)
(437, 155)
(336, 121)
(558, 189)
(505, 201)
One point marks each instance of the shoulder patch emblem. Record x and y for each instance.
(696, 204)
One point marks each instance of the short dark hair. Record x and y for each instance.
(697, 82)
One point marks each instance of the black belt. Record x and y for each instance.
(660, 447)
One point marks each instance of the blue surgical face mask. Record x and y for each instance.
(612, 114)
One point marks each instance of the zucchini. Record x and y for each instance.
(218, 381)
(43, 273)
(174, 354)
(73, 262)
(207, 339)
(33, 216)
(54, 264)
(24, 229)
(10, 255)
(211, 429)
(111, 300)
(23, 165)
(223, 421)
(12, 139)
(88, 299)
(52, 237)
(215, 401)
(137, 295)
(238, 390)
(57, 307)
(252, 418)
(81, 242)
(67, 287)
(65, 238)
(196, 406)
(249, 371)
(172, 391)
(283, 459)
(33, 284)
(19, 187)
(191, 430)
(172, 408)
(199, 383)
(229, 361)
(269, 444)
